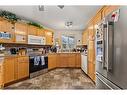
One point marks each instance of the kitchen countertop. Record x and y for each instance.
(66, 53)
(13, 55)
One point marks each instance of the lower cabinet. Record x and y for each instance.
(78, 60)
(23, 67)
(9, 69)
(64, 60)
(72, 60)
(52, 63)
(15, 68)
(91, 71)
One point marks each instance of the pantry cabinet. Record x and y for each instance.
(91, 52)
(21, 32)
(6, 28)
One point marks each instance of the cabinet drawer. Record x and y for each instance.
(23, 59)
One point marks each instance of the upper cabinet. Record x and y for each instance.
(108, 9)
(21, 32)
(6, 31)
(85, 37)
(49, 37)
(32, 30)
(41, 32)
(97, 18)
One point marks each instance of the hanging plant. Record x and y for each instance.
(9, 16)
(36, 24)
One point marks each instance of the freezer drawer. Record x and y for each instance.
(103, 83)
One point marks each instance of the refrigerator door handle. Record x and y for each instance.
(109, 45)
(104, 44)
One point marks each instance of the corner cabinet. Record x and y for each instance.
(52, 61)
(21, 32)
(6, 29)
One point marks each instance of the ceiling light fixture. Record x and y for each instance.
(61, 6)
(68, 24)
(41, 7)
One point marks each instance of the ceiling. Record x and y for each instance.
(53, 17)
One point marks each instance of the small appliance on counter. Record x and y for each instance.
(81, 48)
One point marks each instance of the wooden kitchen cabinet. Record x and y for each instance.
(78, 60)
(21, 32)
(91, 70)
(63, 60)
(15, 68)
(1, 74)
(7, 27)
(9, 69)
(85, 37)
(108, 9)
(49, 37)
(41, 32)
(71, 60)
(22, 67)
(52, 61)
(32, 30)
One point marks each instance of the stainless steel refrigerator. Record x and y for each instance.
(111, 51)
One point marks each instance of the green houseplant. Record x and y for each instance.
(9, 16)
(36, 24)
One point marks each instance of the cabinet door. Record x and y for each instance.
(21, 33)
(1, 75)
(7, 27)
(52, 61)
(71, 60)
(32, 30)
(9, 71)
(78, 60)
(41, 32)
(97, 18)
(108, 9)
(85, 37)
(23, 67)
(63, 60)
(49, 38)
(91, 70)
(3, 24)
(21, 28)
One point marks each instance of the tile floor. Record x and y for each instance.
(64, 78)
